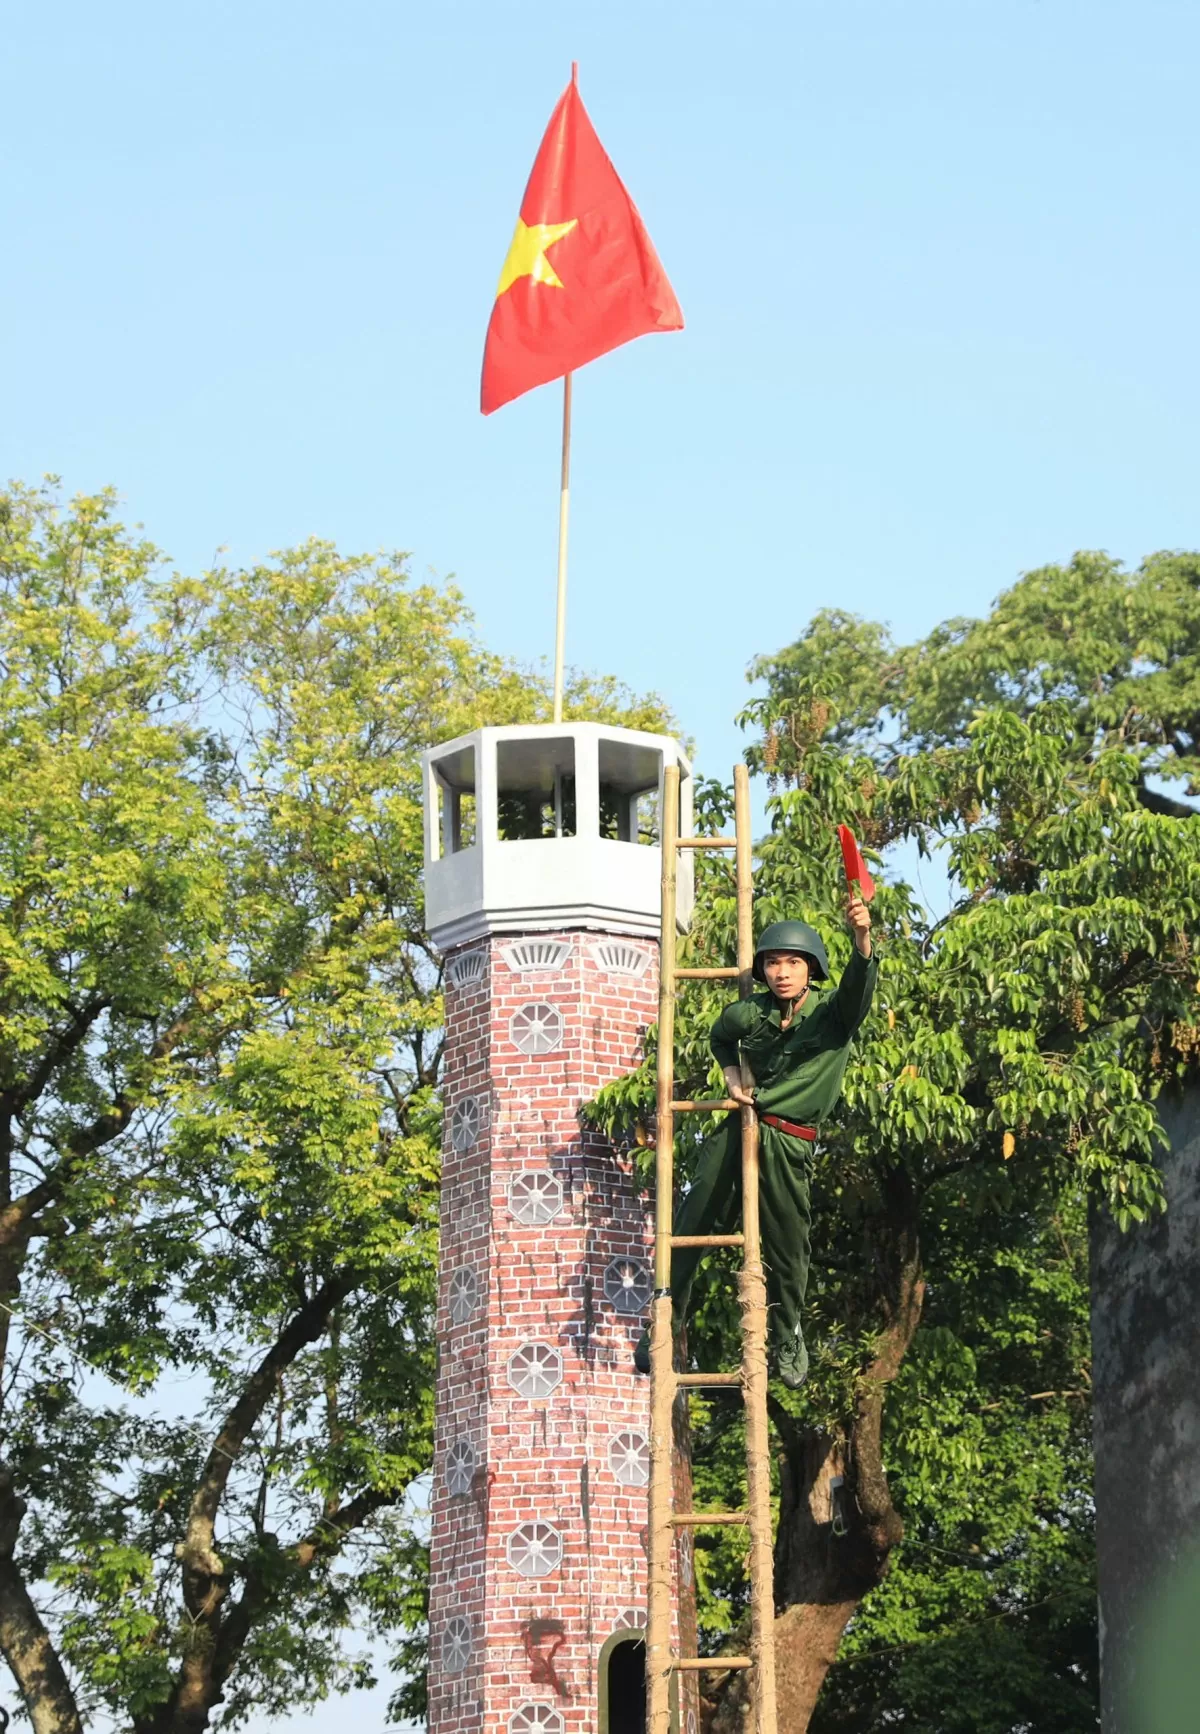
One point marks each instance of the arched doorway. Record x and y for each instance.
(622, 1694)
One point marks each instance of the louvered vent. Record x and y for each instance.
(619, 957)
(524, 956)
(468, 968)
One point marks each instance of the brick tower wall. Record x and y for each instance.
(539, 1502)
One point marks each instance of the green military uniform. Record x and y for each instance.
(798, 1076)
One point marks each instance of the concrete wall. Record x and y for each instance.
(1146, 1372)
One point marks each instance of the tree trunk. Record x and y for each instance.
(837, 1523)
(24, 1640)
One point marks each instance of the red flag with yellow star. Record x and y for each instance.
(581, 276)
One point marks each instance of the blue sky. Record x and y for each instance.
(938, 263)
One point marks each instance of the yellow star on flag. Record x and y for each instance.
(527, 255)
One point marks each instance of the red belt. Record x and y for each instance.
(807, 1132)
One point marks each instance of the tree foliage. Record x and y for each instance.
(1006, 1076)
(219, 1048)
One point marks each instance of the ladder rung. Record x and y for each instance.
(717, 974)
(704, 1107)
(706, 842)
(697, 1519)
(704, 1664)
(708, 1240)
(708, 1378)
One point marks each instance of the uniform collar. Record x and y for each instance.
(775, 1010)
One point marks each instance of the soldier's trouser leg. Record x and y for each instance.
(712, 1206)
(785, 1167)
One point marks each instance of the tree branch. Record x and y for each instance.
(206, 1580)
(321, 1543)
(60, 1049)
(16, 1216)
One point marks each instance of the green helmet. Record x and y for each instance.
(793, 936)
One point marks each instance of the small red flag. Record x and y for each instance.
(581, 276)
(856, 867)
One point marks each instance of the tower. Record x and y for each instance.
(542, 887)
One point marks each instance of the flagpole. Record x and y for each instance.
(564, 503)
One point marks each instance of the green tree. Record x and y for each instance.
(219, 1048)
(1007, 1074)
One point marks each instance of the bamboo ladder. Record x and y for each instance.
(751, 1376)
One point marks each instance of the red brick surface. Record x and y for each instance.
(537, 1640)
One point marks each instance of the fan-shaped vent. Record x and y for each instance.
(535, 1719)
(619, 957)
(526, 955)
(467, 968)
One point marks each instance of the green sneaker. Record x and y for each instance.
(641, 1355)
(791, 1361)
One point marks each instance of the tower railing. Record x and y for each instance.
(751, 1375)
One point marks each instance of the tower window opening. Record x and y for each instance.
(454, 778)
(535, 789)
(630, 776)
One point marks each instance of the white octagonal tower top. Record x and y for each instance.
(536, 827)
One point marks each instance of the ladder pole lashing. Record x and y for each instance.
(662, 1345)
(753, 1298)
(722, 1106)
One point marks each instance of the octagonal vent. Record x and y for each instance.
(537, 1029)
(535, 1370)
(534, 1549)
(456, 1645)
(527, 956)
(535, 1196)
(462, 1460)
(463, 1295)
(627, 1286)
(629, 1458)
(468, 1120)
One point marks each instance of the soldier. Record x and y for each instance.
(794, 1041)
